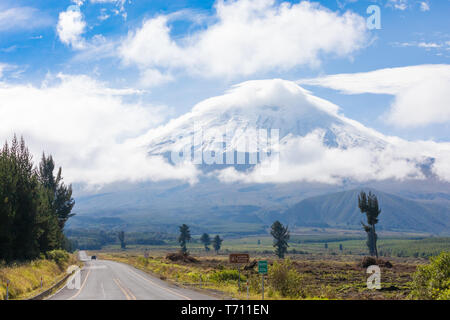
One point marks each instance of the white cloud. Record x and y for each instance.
(22, 18)
(429, 45)
(308, 159)
(398, 4)
(153, 77)
(12, 70)
(120, 4)
(424, 6)
(3, 67)
(88, 128)
(422, 95)
(405, 4)
(71, 26)
(78, 2)
(99, 138)
(247, 37)
(103, 15)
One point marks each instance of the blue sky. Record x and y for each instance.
(163, 57)
(34, 48)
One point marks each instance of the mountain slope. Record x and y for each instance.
(341, 210)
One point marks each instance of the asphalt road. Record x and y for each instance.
(109, 280)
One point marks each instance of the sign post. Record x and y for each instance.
(262, 286)
(239, 258)
(7, 289)
(247, 290)
(262, 269)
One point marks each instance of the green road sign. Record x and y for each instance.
(262, 267)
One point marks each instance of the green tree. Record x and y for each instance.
(368, 204)
(217, 243)
(121, 237)
(60, 195)
(280, 236)
(432, 281)
(206, 240)
(184, 237)
(34, 205)
(19, 205)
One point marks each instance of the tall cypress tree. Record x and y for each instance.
(24, 200)
(368, 204)
(59, 196)
(185, 236)
(217, 243)
(281, 236)
(206, 240)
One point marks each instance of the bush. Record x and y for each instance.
(432, 282)
(61, 257)
(226, 275)
(284, 278)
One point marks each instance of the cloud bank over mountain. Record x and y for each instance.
(100, 137)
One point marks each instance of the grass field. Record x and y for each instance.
(325, 277)
(323, 273)
(408, 245)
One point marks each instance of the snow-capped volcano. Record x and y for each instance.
(313, 141)
(263, 104)
(320, 151)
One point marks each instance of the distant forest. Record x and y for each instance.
(34, 204)
(96, 239)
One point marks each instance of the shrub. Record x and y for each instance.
(254, 282)
(226, 275)
(432, 282)
(61, 257)
(284, 278)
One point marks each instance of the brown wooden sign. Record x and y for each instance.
(239, 258)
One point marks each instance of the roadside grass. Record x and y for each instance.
(25, 277)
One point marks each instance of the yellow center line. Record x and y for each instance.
(124, 290)
(82, 286)
(166, 289)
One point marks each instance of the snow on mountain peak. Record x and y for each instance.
(315, 142)
(262, 104)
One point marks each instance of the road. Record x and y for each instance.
(110, 280)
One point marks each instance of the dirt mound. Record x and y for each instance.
(181, 257)
(383, 263)
(370, 261)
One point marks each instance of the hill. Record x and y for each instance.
(340, 210)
